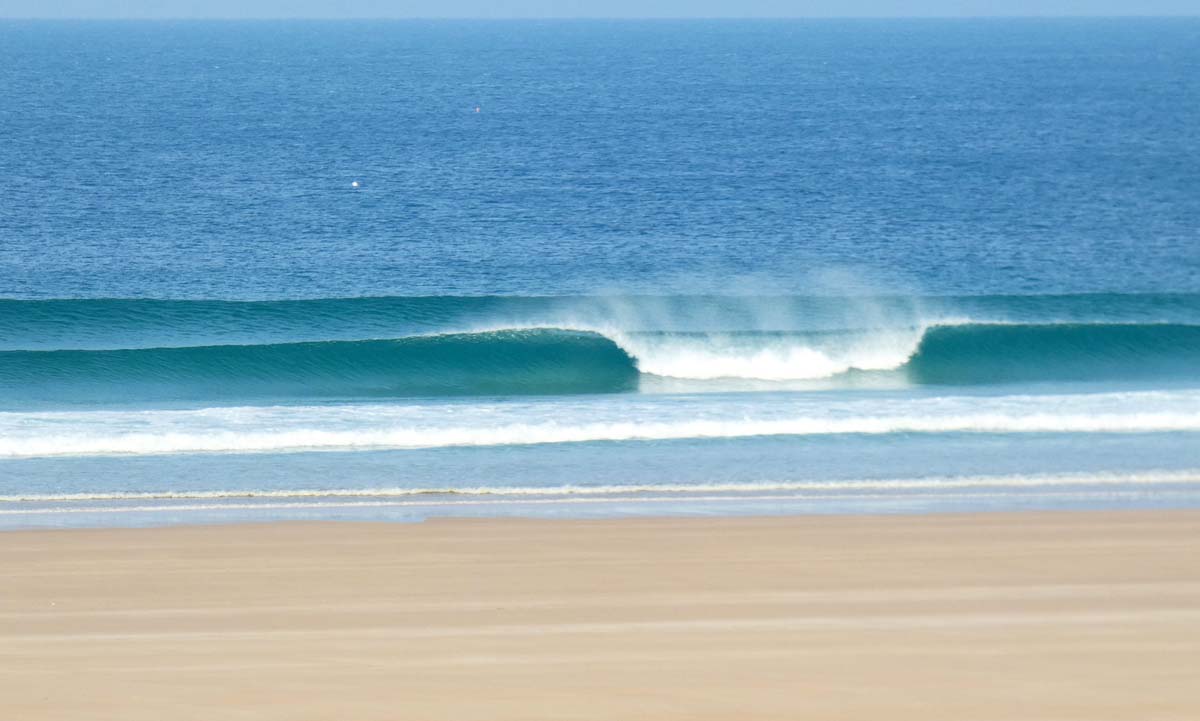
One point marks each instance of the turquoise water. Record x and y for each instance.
(666, 267)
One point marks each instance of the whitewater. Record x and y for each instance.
(342, 427)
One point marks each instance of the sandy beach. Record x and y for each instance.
(1003, 616)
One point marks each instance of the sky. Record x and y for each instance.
(582, 8)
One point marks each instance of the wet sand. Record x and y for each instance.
(1016, 616)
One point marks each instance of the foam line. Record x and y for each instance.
(265, 441)
(1066, 480)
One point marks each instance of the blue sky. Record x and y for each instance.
(583, 8)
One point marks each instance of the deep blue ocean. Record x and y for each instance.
(393, 270)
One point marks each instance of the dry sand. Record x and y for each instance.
(964, 617)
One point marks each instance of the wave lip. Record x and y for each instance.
(107, 323)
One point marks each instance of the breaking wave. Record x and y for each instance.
(552, 360)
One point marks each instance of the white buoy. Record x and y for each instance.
(354, 184)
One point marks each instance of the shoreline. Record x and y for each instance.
(1002, 615)
(1159, 490)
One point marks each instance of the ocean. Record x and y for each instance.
(397, 270)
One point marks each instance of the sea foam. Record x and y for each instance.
(346, 427)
